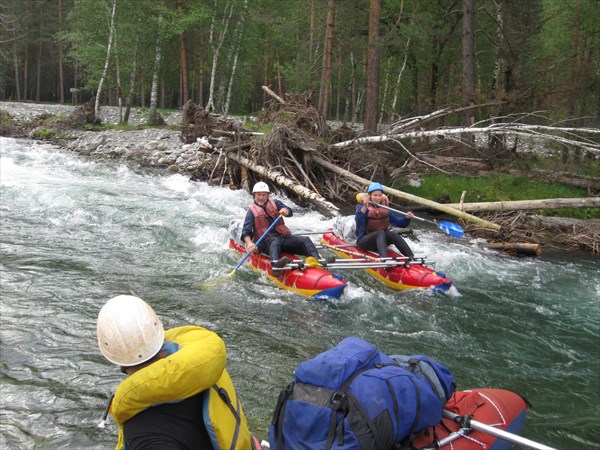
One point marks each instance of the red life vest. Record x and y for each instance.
(379, 219)
(261, 224)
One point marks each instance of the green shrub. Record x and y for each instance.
(42, 134)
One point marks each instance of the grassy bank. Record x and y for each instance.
(498, 187)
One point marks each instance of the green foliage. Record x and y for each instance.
(6, 124)
(498, 187)
(548, 51)
(258, 127)
(42, 134)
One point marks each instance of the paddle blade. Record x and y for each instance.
(211, 284)
(451, 228)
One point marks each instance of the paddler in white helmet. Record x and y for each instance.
(172, 377)
(261, 214)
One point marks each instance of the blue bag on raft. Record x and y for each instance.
(352, 397)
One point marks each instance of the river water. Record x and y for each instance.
(76, 232)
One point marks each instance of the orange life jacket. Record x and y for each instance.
(261, 223)
(379, 219)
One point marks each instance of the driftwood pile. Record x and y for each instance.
(304, 156)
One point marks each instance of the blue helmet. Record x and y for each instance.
(375, 187)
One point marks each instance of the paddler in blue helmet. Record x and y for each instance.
(373, 223)
(177, 393)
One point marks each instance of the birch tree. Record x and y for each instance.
(152, 117)
(327, 58)
(61, 82)
(468, 60)
(118, 79)
(236, 44)
(132, 78)
(216, 45)
(185, 89)
(107, 60)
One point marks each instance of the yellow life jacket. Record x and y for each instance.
(198, 366)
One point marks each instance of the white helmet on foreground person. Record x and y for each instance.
(129, 331)
(261, 186)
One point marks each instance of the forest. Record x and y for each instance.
(368, 61)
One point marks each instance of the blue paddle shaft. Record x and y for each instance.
(453, 229)
(258, 242)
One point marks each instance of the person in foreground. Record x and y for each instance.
(177, 394)
(373, 222)
(261, 214)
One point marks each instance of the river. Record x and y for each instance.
(76, 232)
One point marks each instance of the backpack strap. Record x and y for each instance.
(418, 412)
(280, 410)
(234, 410)
(340, 401)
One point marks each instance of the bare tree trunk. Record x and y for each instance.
(16, 66)
(497, 143)
(108, 49)
(348, 112)
(25, 72)
(184, 67)
(266, 67)
(357, 106)
(338, 97)
(152, 119)
(26, 57)
(132, 77)
(237, 44)
(575, 74)
(520, 205)
(118, 70)
(382, 112)
(399, 78)
(142, 89)
(61, 83)
(38, 84)
(403, 66)
(468, 58)
(216, 48)
(311, 36)
(498, 63)
(327, 56)
(370, 125)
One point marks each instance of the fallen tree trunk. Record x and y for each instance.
(322, 205)
(519, 205)
(516, 248)
(537, 132)
(409, 197)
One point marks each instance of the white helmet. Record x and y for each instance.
(129, 331)
(261, 186)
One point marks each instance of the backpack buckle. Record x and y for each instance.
(339, 402)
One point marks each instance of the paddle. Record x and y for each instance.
(451, 228)
(467, 422)
(202, 286)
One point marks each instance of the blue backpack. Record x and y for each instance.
(353, 397)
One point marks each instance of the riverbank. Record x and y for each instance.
(163, 148)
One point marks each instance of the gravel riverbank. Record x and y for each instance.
(154, 147)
